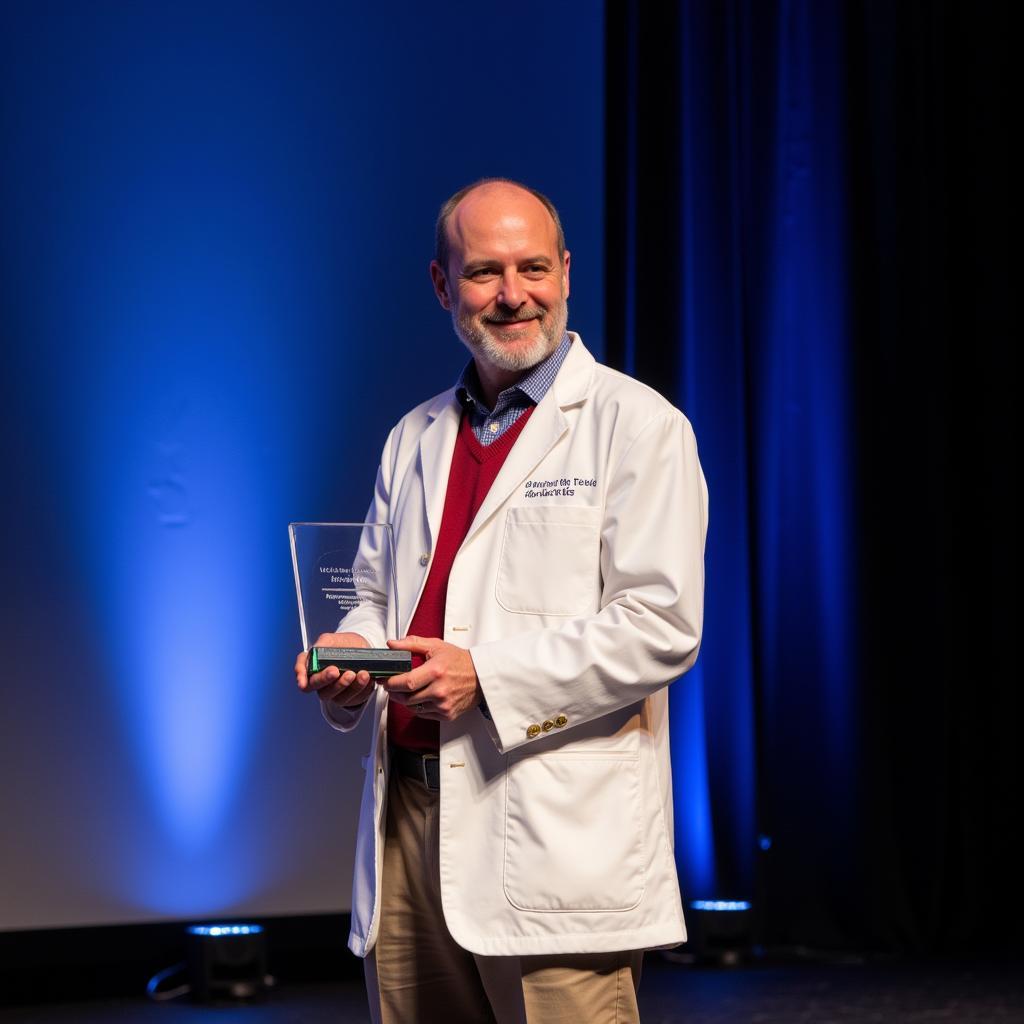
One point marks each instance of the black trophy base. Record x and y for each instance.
(378, 661)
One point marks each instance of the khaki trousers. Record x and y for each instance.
(418, 974)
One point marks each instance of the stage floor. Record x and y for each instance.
(954, 992)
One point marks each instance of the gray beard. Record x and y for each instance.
(478, 340)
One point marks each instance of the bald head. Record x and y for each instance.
(489, 195)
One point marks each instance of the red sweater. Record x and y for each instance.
(473, 470)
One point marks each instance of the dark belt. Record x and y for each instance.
(424, 768)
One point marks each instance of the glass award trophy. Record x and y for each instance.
(345, 583)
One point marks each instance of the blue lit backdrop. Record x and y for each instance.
(217, 223)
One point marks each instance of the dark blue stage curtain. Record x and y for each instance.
(727, 291)
(808, 248)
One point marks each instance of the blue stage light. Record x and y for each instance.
(224, 929)
(726, 905)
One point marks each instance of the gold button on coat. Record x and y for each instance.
(534, 730)
(561, 720)
(548, 725)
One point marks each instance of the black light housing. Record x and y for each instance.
(226, 961)
(720, 931)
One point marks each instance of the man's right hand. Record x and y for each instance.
(345, 689)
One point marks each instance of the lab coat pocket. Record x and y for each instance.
(550, 560)
(574, 832)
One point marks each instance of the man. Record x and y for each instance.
(514, 855)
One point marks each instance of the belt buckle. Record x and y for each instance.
(432, 774)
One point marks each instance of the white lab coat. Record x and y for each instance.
(579, 592)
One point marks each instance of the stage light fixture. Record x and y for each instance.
(720, 931)
(728, 906)
(227, 961)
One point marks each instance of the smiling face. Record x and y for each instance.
(505, 284)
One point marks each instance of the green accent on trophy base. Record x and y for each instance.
(378, 661)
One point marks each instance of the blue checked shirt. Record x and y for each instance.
(489, 424)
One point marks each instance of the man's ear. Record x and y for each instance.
(440, 279)
(565, 272)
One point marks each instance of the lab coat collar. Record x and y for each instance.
(545, 428)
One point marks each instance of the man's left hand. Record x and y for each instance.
(443, 687)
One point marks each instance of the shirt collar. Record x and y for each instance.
(534, 386)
